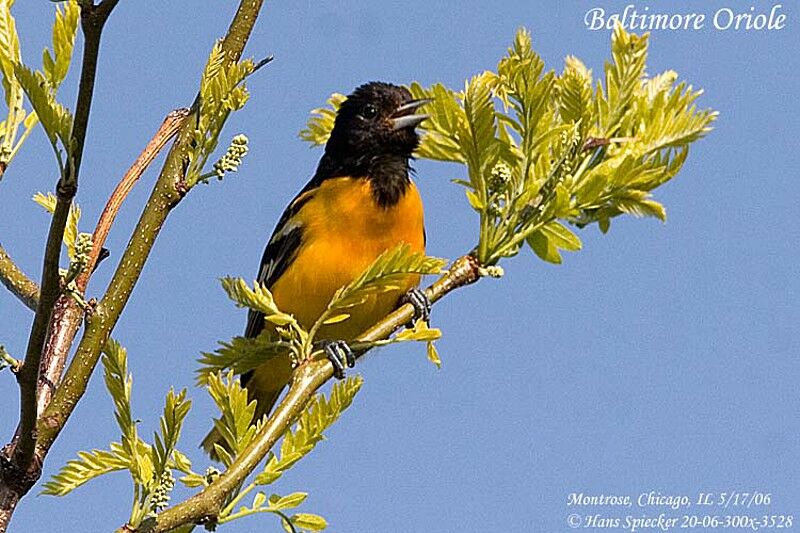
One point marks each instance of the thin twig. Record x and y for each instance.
(28, 376)
(9, 361)
(308, 378)
(168, 129)
(17, 281)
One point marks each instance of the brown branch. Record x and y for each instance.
(168, 129)
(308, 378)
(17, 281)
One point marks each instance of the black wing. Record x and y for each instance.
(279, 254)
(285, 241)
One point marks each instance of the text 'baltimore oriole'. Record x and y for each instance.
(360, 202)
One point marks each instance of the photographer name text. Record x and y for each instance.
(723, 19)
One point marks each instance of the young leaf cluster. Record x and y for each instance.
(298, 442)
(39, 86)
(278, 505)
(150, 466)
(79, 245)
(222, 92)
(421, 332)
(48, 202)
(236, 425)
(544, 151)
(320, 124)
(241, 354)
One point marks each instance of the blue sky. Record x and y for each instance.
(662, 357)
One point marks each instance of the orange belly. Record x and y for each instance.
(343, 233)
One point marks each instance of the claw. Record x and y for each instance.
(421, 303)
(340, 355)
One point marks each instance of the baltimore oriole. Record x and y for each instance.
(360, 202)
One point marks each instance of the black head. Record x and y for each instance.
(377, 120)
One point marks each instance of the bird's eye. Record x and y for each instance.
(369, 112)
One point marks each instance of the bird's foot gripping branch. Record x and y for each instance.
(542, 152)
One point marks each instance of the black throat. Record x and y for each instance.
(387, 174)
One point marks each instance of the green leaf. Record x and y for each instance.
(543, 247)
(641, 206)
(193, 480)
(176, 407)
(289, 501)
(181, 463)
(87, 466)
(591, 188)
(574, 90)
(259, 500)
(444, 129)
(55, 118)
(236, 425)
(319, 415)
(9, 48)
(479, 111)
(335, 319)
(389, 271)
(433, 355)
(623, 78)
(474, 201)
(65, 29)
(119, 384)
(309, 522)
(259, 298)
(561, 237)
(421, 332)
(320, 123)
(667, 117)
(48, 202)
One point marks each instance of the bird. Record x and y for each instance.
(360, 202)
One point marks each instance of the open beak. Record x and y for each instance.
(405, 117)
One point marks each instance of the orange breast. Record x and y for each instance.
(344, 230)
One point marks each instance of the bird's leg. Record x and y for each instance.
(421, 303)
(340, 355)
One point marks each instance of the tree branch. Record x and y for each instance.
(308, 378)
(35, 437)
(23, 468)
(67, 314)
(168, 129)
(164, 197)
(92, 24)
(17, 281)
